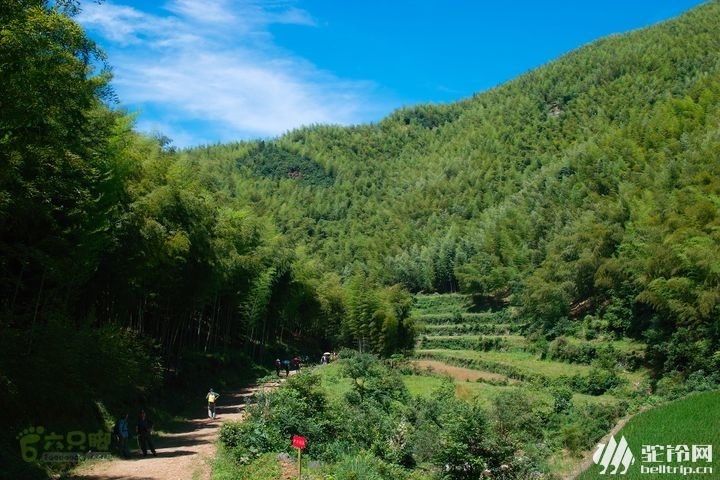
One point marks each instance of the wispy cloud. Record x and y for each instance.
(214, 63)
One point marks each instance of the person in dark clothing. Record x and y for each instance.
(123, 435)
(286, 366)
(277, 367)
(144, 428)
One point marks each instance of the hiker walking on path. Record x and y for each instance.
(144, 429)
(123, 434)
(277, 367)
(211, 397)
(286, 366)
(187, 451)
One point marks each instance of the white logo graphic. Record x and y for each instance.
(615, 454)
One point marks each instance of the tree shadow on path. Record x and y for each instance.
(183, 452)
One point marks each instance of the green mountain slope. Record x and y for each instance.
(563, 137)
(585, 189)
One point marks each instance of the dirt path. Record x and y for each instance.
(588, 460)
(183, 455)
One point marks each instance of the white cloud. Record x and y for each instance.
(116, 23)
(214, 62)
(203, 12)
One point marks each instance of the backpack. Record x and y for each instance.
(212, 397)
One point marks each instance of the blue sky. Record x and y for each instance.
(209, 71)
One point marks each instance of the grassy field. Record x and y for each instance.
(689, 422)
(525, 362)
(422, 385)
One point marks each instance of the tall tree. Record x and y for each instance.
(54, 180)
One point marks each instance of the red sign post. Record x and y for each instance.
(299, 443)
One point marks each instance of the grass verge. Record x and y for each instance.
(667, 430)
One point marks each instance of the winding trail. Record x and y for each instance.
(588, 460)
(183, 455)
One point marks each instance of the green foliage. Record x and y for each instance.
(56, 190)
(562, 396)
(585, 187)
(265, 467)
(299, 408)
(358, 466)
(464, 443)
(277, 163)
(64, 377)
(247, 440)
(377, 320)
(515, 418)
(386, 433)
(579, 428)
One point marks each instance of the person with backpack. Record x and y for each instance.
(121, 435)
(211, 397)
(144, 429)
(286, 366)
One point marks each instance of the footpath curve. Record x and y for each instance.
(183, 455)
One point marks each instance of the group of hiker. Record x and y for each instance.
(294, 364)
(143, 430)
(287, 365)
(144, 426)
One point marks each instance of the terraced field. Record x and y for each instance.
(495, 348)
(488, 353)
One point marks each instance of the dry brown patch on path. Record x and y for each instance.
(184, 455)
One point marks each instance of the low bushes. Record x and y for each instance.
(376, 430)
(563, 350)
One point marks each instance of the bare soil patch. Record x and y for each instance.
(459, 373)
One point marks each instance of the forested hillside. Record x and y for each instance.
(583, 191)
(124, 269)
(586, 192)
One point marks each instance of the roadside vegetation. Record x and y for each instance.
(361, 421)
(524, 415)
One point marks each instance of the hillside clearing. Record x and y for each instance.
(458, 373)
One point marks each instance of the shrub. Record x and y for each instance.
(601, 380)
(248, 440)
(587, 424)
(515, 418)
(562, 396)
(361, 466)
(464, 450)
